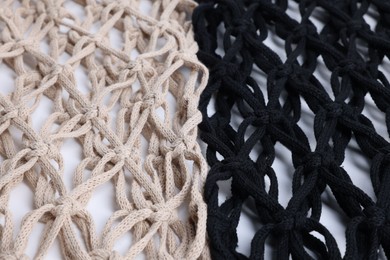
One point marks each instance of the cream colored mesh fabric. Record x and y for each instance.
(135, 118)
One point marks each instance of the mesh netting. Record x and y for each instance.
(234, 37)
(122, 84)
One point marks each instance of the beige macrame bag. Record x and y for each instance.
(135, 118)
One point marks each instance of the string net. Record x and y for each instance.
(234, 39)
(134, 115)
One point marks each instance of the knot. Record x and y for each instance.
(265, 117)
(162, 213)
(23, 44)
(97, 38)
(53, 12)
(243, 25)
(66, 205)
(150, 99)
(283, 71)
(94, 112)
(103, 254)
(50, 10)
(303, 30)
(178, 146)
(6, 12)
(140, 65)
(349, 65)
(6, 115)
(134, 66)
(224, 69)
(121, 153)
(23, 112)
(375, 216)
(14, 112)
(40, 149)
(243, 165)
(312, 160)
(334, 109)
(164, 25)
(353, 26)
(186, 55)
(290, 221)
(57, 70)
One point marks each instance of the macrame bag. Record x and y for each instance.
(234, 39)
(134, 116)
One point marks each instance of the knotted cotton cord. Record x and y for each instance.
(271, 114)
(125, 103)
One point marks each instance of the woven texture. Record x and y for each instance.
(131, 136)
(271, 113)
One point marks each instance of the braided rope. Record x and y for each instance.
(126, 103)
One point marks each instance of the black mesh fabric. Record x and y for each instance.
(352, 52)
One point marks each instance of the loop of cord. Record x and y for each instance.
(232, 37)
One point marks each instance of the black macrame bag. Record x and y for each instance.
(274, 110)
